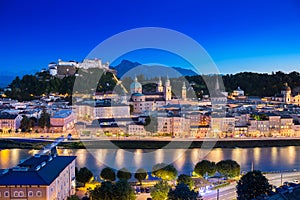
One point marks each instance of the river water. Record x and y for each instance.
(264, 159)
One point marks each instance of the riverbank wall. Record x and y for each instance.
(150, 144)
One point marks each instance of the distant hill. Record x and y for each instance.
(134, 68)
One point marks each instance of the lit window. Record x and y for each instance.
(16, 194)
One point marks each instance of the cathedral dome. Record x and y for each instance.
(136, 87)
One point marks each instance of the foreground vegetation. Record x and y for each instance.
(251, 185)
(163, 189)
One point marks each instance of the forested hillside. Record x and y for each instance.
(254, 84)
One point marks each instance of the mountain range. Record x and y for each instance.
(129, 68)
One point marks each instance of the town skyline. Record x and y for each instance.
(149, 100)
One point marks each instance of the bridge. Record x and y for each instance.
(51, 148)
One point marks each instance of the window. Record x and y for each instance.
(21, 194)
(6, 194)
(16, 194)
(39, 193)
(30, 194)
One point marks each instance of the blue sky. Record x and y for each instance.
(249, 35)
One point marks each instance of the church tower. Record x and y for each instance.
(160, 87)
(183, 91)
(168, 91)
(287, 94)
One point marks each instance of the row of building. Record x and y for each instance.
(177, 116)
(62, 118)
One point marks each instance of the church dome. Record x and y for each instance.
(135, 87)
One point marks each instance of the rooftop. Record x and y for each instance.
(37, 170)
(62, 114)
(8, 116)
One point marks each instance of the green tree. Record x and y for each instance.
(84, 175)
(251, 185)
(44, 120)
(103, 191)
(186, 179)
(160, 191)
(73, 197)
(165, 172)
(108, 174)
(27, 123)
(124, 174)
(123, 191)
(205, 166)
(182, 192)
(31, 123)
(140, 175)
(24, 123)
(229, 168)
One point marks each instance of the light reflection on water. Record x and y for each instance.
(265, 159)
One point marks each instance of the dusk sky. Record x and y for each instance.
(250, 35)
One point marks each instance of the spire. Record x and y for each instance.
(167, 81)
(183, 85)
(217, 87)
(160, 87)
(135, 79)
(183, 91)
(159, 82)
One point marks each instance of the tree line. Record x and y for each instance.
(33, 86)
(109, 189)
(250, 186)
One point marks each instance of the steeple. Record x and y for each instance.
(287, 93)
(167, 91)
(183, 91)
(160, 87)
(217, 86)
(168, 82)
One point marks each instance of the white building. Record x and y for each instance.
(136, 129)
(176, 126)
(40, 177)
(238, 92)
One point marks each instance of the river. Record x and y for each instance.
(264, 159)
